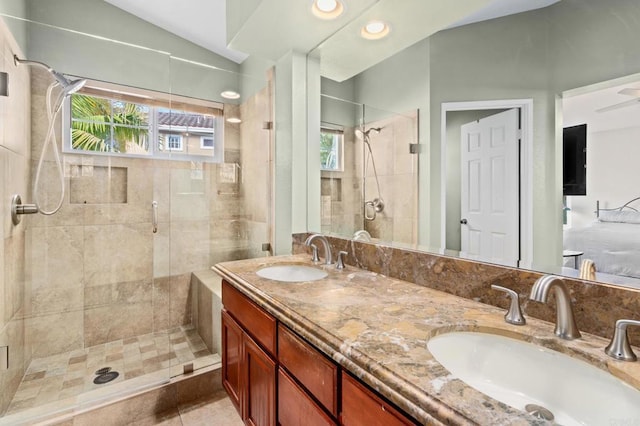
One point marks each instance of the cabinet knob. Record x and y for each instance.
(463, 221)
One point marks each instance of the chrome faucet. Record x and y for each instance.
(325, 244)
(566, 327)
(514, 314)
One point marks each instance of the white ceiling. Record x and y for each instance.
(582, 108)
(202, 22)
(277, 26)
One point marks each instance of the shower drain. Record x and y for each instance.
(539, 412)
(102, 371)
(105, 375)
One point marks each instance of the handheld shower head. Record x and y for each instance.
(68, 87)
(364, 134)
(73, 86)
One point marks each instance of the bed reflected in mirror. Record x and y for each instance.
(603, 224)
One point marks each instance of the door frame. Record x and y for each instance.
(526, 167)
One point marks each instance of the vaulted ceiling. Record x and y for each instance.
(270, 28)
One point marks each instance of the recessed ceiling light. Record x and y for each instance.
(375, 30)
(327, 9)
(230, 94)
(234, 120)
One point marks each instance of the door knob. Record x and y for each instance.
(463, 221)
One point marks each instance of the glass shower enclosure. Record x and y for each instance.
(162, 179)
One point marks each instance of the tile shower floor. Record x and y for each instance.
(69, 374)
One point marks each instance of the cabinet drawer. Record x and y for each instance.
(259, 324)
(361, 407)
(295, 407)
(312, 369)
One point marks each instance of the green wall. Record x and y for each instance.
(538, 55)
(75, 37)
(17, 8)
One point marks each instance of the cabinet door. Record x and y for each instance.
(295, 407)
(361, 407)
(231, 359)
(259, 397)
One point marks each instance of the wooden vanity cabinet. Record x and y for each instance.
(295, 407)
(313, 370)
(266, 366)
(362, 407)
(248, 357)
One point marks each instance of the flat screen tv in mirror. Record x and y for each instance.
(574, 160)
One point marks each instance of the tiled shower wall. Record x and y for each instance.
(341, 192)
(398, 176)
(15, 154)
(97, 272)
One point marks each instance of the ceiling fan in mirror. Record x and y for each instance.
(628, 91)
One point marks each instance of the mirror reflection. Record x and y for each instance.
(535, 58)
(369, 174)
(601, 215)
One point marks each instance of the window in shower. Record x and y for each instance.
(105, 118)
(331, 143)
(109, 125)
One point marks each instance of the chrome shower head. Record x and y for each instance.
(68, 87)
(365, 134)
(73, 86)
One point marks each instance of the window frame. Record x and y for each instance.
(213, 142)
(180, 142)
(181, 102)
(338, 135)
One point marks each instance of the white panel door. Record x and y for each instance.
(490, 189)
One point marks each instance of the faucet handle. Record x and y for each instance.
(619, 347)
(514, 314)
(314, 253)
(340, 260)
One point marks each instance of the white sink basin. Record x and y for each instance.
(292, 273)
(519, 373)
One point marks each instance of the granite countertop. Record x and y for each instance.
(377, 328)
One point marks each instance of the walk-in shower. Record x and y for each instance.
(95, 305)
(376, 205)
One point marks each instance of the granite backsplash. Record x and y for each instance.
(597, 306)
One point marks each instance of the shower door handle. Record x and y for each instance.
(154, 208)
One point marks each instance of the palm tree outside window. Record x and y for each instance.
(331, 142)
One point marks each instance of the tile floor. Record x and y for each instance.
(216, 409)
(69, 374)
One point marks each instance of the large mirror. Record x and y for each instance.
(541, 64)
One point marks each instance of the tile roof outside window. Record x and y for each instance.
(185, 119)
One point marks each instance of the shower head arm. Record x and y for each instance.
(59, 77)
(17, 61)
